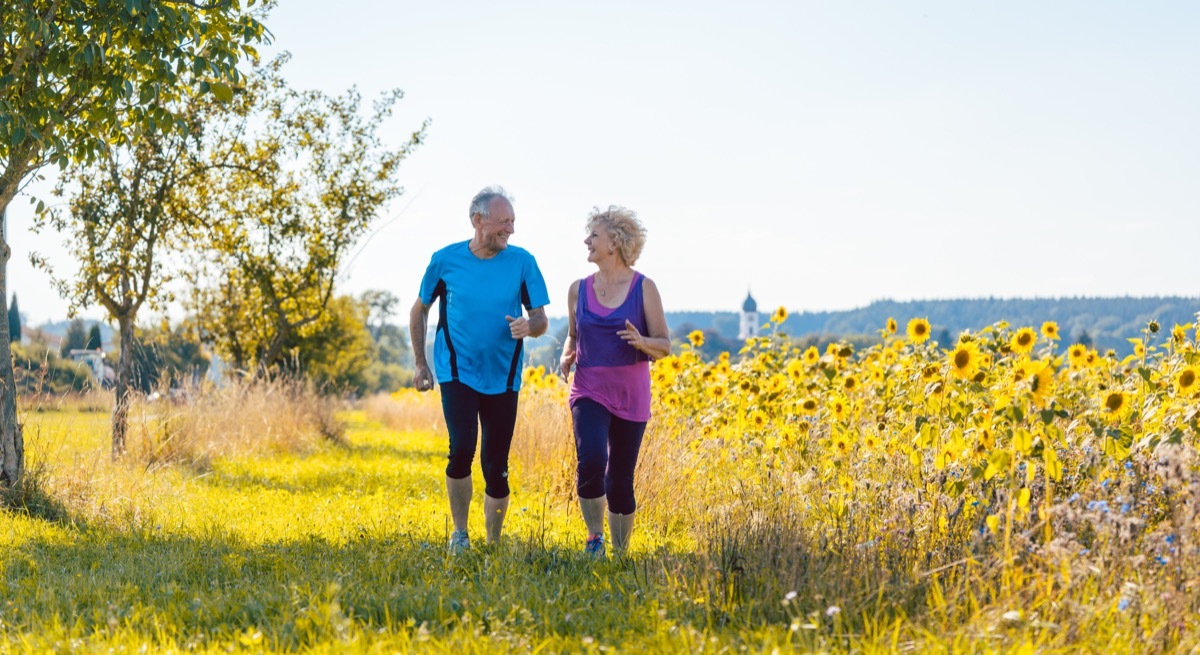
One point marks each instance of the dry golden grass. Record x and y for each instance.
(243, 418)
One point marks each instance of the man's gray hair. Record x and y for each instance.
(481, 201)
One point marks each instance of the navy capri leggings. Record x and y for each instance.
(607, 448)
(466, 411)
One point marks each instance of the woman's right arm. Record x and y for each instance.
(568, 354)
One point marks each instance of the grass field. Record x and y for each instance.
(917, 508)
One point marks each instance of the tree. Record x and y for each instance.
(124, 209)
(94, 339)
(75, 338)
(77, 76)
(303, 177)
(335, 352)
(14, 321)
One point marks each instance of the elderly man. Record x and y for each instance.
(482, 285)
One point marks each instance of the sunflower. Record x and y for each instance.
(777, 383)
(1179, 334)
(1050, 330)
(964, 360)
(795, 370)
(850, 383)
(1022, 342)
(1185, 382)
(716, 391)
(839, 407)
(697, 338)
(918, 330)
(812, 355)
(1077, 356)
(1041, 383)
(780, 315)
(891, 326)
(1115, 405)
(759, 419)
(808, 405)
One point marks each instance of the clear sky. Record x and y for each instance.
(821, 154)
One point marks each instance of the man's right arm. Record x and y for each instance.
(418, 323)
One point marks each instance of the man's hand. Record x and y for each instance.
(518, 326)
(423, 378)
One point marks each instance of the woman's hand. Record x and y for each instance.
(631, 335)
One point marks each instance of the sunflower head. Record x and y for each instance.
(964, 360)
(1024, 340)
(809, 405)
(1077, 356)
(891, 327)
(1050, 330)
(1115, 404)
(780, 315)
(1185, 381)
(918, 330)
(696, 337)
(812, 355)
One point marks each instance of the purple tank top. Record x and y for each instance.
(607, 369)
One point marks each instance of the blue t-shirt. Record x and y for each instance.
(474, 345)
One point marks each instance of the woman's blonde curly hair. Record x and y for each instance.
(623, 226)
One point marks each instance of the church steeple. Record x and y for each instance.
(748, 328)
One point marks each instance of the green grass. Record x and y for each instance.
(342, 549)
(339, 550)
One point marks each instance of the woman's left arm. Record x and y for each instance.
(657, 343)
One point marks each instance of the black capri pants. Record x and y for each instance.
(466, 411)
(607, 447)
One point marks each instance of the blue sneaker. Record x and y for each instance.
(595, 546)
(459, 542)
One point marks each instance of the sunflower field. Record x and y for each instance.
(1007, 481)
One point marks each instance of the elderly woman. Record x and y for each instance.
(616, 326)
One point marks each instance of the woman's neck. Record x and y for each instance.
(612, 272)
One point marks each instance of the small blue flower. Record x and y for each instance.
(1104, 482)
(1162, 560)
(1101, 505)
(1074, 497)
(1085, 551)
(1170, 539)
(1125, 508)
(1124, 604)
(1128, 465)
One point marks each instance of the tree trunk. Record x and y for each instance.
(12, 444)
(124, 390)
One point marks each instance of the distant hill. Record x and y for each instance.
(1107, 321)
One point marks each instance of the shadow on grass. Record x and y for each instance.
(211, 589)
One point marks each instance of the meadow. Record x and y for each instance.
(1007, 493)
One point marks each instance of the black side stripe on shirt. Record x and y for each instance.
(439, 292)
(516, 360)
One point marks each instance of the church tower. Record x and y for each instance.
(749, 325)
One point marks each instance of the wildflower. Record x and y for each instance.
(808, 405)
(833, 610)
(918, 330)
(891, 326)
(850, 383)
(779, 316)
(696, 337)
(1179, 334)
(1124, 604)
(1023, 341)
(1050, 330)
(1153, 327)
